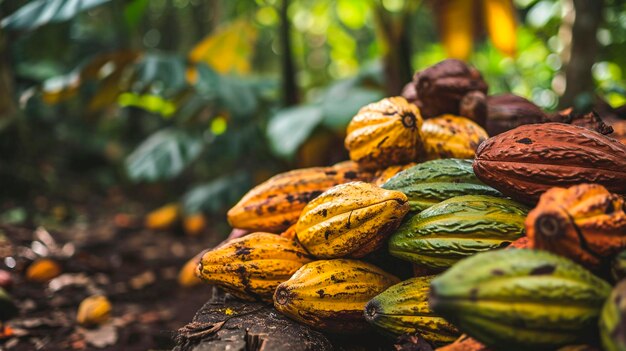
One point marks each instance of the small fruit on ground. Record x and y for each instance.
(94, 310)
(187, 277)
(163, 218)
(43, 270)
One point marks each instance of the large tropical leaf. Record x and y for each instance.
(290, 127)
(234, 94)
(164, 155)
(216, 194)
(343, 100)
(40, 12)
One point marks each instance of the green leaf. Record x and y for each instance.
(216, 194)
(342, 101)
(290, 127)
(234, 94)
(40, 12)
(164, 155)
(134, 12)
(165, 74)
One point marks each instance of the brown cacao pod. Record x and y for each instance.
(589, 120)
(385, 133)
(474, 106)
(440, 88)
(525, 162)
(275, 204)
(508, 111)
(585, 223)
(451, 136)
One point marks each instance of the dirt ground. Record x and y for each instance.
(100, 252)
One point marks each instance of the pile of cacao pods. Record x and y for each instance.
(512, 242)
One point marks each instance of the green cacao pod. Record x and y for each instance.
(612, 323)
(520, 299)
(431, 182)
(441, 235)
(618, 266)
(403, 309)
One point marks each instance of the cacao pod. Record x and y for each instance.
(330, 295)
(590, 120)
(585, 223)
(403, 308)
(525, 162)
(383, 175)
(433, 181)
(385, 133)
(462, 226)
(163, 218)
(276, 204)
(440, 88)
(252, 267)
(94, 310)
(351, 219)
(474, 106)
(520, 299)
(612, 320)
(43, 270)
(508, 111)
(451, 136)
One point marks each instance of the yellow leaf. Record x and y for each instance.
(500, 21)
(456, 25)
(227, 50)
(163, 218)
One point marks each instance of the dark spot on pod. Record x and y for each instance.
(543, 270)
(497, 272)
(320, 292)
(380, 143)
(610, 208)
(350, 175)
(290, 198)
(271, 209)
(327, 234)
(330, 173)
(286, 223)
(242, 251)
(324, 213)
(525, 141)
(335, 279)
(314, 194)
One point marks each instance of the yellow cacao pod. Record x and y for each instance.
(94, 310)
(194, 224)
(385, 133)
(450, 136)
(163, 218)
(351, 219)
(330, 295)
(187, 277)
(43, 270)
(251, 267)
(275, 204)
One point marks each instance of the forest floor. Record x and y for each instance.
(101, 251)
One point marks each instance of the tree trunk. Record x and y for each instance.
(290, 87)
(8, 106)
(579, 88)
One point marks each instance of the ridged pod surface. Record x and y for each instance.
(462, 226)
(612, 322)
(585, 222)
(275, 204)
(433, 181)
(330, 295)
(520, 299)
(525, 162)
(351, 219)
(252, 267)
(385, 133)
(403, 308)
(452, 136)
(383, 175)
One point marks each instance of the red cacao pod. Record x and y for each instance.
(525, 162)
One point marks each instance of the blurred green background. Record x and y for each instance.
(195, 101)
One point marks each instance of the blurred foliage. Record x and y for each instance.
(180, 92)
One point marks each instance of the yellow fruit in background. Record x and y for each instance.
(194, 224)
(163, 217)
(187, 277)
(43, 270)
(94, 310)
(450, 136)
